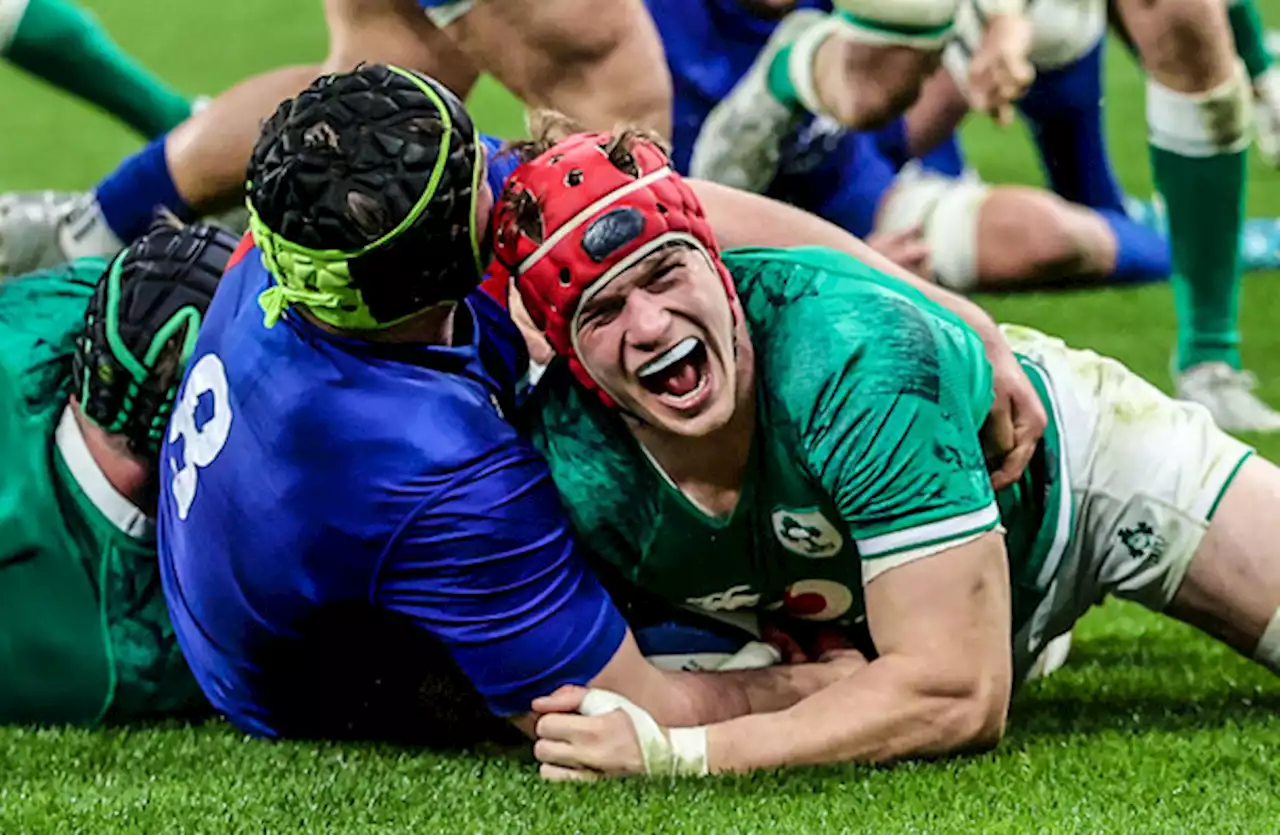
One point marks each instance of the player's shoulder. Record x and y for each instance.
(817, 316)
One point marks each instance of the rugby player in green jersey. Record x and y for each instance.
(90, 356)
(792, 433)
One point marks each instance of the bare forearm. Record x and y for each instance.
(706, 698)
(888, 711)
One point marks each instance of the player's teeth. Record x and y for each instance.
(673, 355)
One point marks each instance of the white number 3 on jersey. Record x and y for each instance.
(202, 444)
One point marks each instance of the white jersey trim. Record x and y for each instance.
(941, 533)
(874, 568)
(11, 14)
(71, 445)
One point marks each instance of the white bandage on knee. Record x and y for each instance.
(681, 753)
(947, 212)
(922, 24)
(1268, 652)
(11, 13)
(804, 52)
(1201, 125)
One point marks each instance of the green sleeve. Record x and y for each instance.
(886, 393)
(41, 316)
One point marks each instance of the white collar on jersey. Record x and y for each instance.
(121, 512)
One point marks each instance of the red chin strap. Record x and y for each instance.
(571, 217)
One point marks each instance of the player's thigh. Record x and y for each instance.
(393, 32)
(1146, 473)
(1232, 586)
(1186, 45)
(600, 63)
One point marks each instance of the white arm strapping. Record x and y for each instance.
(681, 754)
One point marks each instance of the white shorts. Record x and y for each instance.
(1146, 473)
(1062, 32)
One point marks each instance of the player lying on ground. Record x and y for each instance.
(973, 235)
(347, 493)
(90, 358)
(1199, 121)
(792, 431)
(602, 67)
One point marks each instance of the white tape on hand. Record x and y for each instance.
(754, 655)
(683, 754)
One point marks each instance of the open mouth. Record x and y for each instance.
(678, 374)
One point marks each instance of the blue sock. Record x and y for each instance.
(130, 195)
(1142, 253)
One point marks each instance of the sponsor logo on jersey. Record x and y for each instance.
(806, 532)
(818, 600)
(738, 597)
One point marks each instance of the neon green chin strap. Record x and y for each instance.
(320, 279)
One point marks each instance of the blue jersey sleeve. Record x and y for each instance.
(498, 163)
(490, 567)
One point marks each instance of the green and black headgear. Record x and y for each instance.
(141, 327)
(362, 197)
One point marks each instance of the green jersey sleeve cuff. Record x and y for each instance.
(938, 533)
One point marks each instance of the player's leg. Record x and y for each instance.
(927, 131)
(1249, 34)
(860, 66)
(63, 44)
(1232, 586)
(196, 169)
(393, 32)
(1198, 117)
(601, 64)
(1010, 237)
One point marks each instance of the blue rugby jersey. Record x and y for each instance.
(332, 510)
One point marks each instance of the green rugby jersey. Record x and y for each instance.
(866, 454)
(84, 634)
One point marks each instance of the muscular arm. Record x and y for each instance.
(940, 685)
(489, 567)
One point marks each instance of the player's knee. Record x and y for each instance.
(1205, 124)
(1028, 234)
(947, 212)
(879, 82)
(1187, 43)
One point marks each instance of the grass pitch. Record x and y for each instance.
(1150, 727)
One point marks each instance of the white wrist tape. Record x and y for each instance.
(681, 754)
(754, 655)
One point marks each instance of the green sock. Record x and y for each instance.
(780, 79)
(63, 44)
(1247, 28)
(1204, 197)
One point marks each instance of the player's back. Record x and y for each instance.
(82, 635)
(297, 458)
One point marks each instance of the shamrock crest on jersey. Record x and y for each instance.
(806, 532)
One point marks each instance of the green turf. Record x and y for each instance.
(1150, 728)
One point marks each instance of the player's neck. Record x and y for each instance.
(710, 470)
(127, 475)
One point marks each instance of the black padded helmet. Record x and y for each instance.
(362, 198)
(141, 327)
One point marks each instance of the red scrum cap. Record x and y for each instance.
(578, 215)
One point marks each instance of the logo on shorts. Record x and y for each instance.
(1143, 542)
(806, 532)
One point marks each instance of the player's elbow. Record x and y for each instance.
(977, 715)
